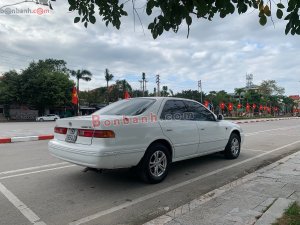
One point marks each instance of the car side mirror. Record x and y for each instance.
(220, 117)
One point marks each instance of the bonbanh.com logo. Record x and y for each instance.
(16, 9)
(28, 11)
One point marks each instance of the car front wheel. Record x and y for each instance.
(155, 164)
(41, 120)
(233, 147)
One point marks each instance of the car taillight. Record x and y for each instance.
(96, 133)
(85, 133)
(60, 130)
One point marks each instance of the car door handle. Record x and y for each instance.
(169, 129)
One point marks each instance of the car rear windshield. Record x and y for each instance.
(127, 107)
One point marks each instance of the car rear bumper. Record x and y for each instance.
(93, 156)
(82, 155)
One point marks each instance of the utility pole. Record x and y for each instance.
(158, 84)
(200, 89)
(143, 83)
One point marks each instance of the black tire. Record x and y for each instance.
(160, 168)
(233, 147)
(55, 119)
(41, 120)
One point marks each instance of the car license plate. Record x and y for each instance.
(71, 135)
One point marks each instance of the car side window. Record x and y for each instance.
(198, 112)
(174, 110)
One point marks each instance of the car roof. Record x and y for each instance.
(168, 98)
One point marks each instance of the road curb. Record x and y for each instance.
(264, 120)
(5, 140)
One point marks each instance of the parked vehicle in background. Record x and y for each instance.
(49, 117)
(145, 133)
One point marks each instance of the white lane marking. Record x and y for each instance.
(162, 191)
(32, 168)
(262, 131)
(33, 172)
(27, 212)
(254, 150)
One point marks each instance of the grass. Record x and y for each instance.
(291, 216)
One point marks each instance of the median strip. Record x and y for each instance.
(5, 140)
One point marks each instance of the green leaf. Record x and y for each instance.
(148, 11)
(151, 26)
(76, 19)
(72, 2)
(267, 10)
(160, 30)
(263, 20)
(92, 19)
(222, 14)
(288, 28)
(188, 20)
(280, 6)
(279, 13)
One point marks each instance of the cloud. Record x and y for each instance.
(219, 53)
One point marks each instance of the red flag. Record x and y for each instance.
(230, 106)
(74, 96)
(239, 106)
(222, 105)
(254, 106)
(126, 95)
(261, 107)
(206, 103)
(247, 107)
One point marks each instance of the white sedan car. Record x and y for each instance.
(49, 117)
(145, 133)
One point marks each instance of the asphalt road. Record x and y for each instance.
(36, 188)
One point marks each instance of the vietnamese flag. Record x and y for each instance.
(239, 106)
(230, 106)
(74, 96)
(222, 105)
(261, 107)
(126, 95)
(254, 106)
(206, 103)
(248, 107)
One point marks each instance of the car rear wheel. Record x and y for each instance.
(41, 120)
(233, 147)
(154, 166)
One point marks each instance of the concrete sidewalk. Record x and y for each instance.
(258, 198)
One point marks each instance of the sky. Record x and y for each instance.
(219, 53)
